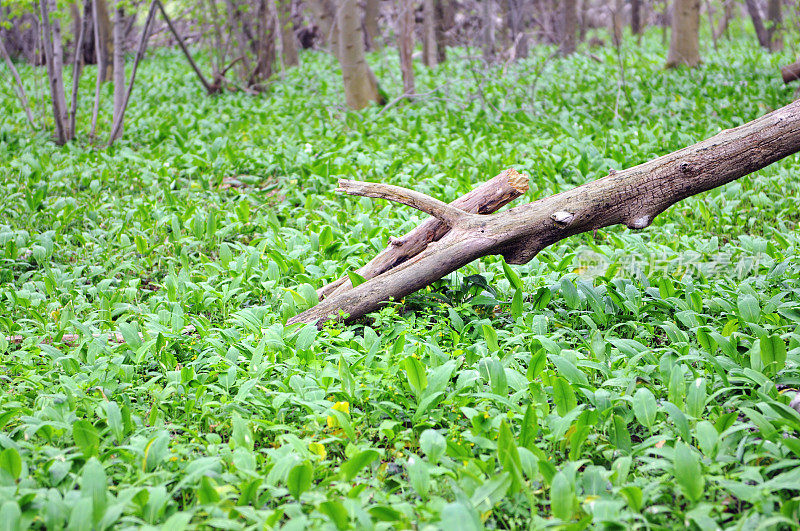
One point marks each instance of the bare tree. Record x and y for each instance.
(19, 89)
(758, 23)
(360, 85)
(684, 44)
(430, 54)
(488, 30)
(288, 45)
(636, 17)
(371, 31)
(775, 18)
(570, 27)
(405, 44)
(517, 11)
(51, 40)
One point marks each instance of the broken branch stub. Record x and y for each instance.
(633, 197)
(486, 198)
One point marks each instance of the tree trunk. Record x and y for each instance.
(570, 25)
(119, 67)
(775, 18)
(51, 40)
(722, 26)
(440, 30)
(430, 55)
(288, 45)
(758, 23)
(18, 86)
(633, 197)
(324, 13)
(636, 17)
(371, 31)
(263, 45)
(105, 45)
(517, 10)
(488, 30)
(360, 85)
(405, 44)
(82, 25)
(684, 44)
(617, 21)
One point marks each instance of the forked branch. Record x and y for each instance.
(633, 197)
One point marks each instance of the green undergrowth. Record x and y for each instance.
(621, 378)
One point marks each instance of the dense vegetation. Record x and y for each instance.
(629, 378)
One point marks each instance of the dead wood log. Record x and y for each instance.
(485, 199)
(633, 197)
(791, 72)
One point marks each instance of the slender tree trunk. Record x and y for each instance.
(219, 52)
(584, 22)
(517, 10)
(632, 197)
(570, 25)
(119, 66)
(288, 45)
(430, 55)
(51, 40)
(116, 127)
(488, 30)
(263, 44)
(324, 12)
(360, 85)
(371, 31)
(77, 64)
(636, 17)
(405, 44)
(758, 23)
(617, 21)
(775, 18)
(684, 45)
(18, 86)
(103, 35)
(722, 26)
(441, 29)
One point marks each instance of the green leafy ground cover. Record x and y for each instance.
(636, 379)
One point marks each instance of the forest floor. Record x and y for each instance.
(631, 378)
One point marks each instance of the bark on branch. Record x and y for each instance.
(633, 197)
(485, 199)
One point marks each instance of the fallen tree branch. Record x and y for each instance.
(632, 197)
(73, 339)
(485, 199)
(791, 72)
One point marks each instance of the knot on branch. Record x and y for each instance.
(639, 222)
(562, 217)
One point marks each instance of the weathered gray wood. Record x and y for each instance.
(633, 197)
(484, 199)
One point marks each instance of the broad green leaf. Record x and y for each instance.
(353, 466)
(299, 479)
(433, 444)
(85, 436)
(563, 396)
(491, 492)
(512, 276)
(416, 375)
(562, 497)
(645, 407)
(11, 463)
(508, 455)
(749, 310)
(687, 471)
